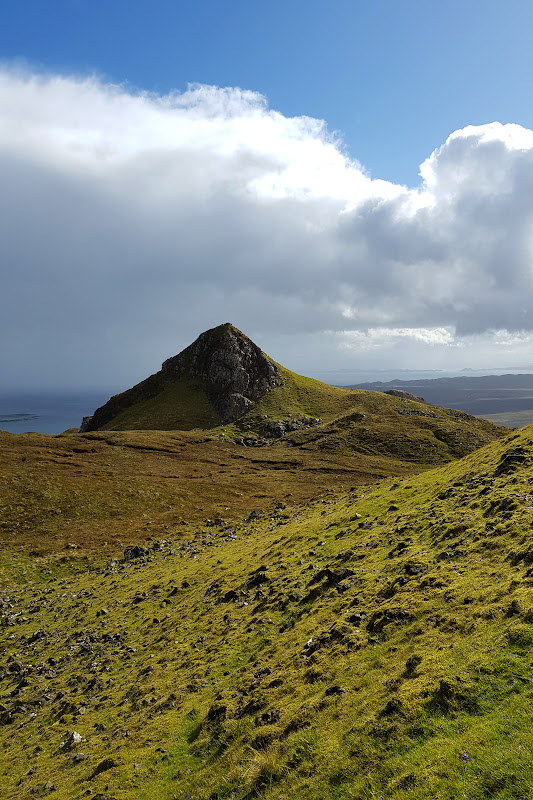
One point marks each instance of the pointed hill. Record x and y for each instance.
(219, 379)
(225, 384)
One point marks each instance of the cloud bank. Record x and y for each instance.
(131, 222)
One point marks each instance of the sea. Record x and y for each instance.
(48, 412)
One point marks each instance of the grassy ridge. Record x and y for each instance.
(376, 643)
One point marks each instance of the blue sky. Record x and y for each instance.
(168, 166)
(394, 78)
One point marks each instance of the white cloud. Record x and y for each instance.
(130, 222)
(384, 337)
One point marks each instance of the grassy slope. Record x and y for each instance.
(180, 405)
(99, 489)
(183, 404)
(437, 669)
(369, 423)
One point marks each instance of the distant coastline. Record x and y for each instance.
(49, 412)
(17, 417)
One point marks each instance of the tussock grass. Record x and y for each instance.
(359, 643)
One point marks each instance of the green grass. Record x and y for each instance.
(436, 671)
(179, 405)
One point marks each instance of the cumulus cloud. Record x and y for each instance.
(130, 222)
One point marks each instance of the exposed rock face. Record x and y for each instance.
(231, 369)
(85, 424)
(234, 370)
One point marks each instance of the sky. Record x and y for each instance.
(349, 183)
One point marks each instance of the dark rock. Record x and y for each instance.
(261, 673)
(72, 737)
(415, 569)
(167, 704)
(85, 424)
(275, 430)
(216, 715)
(267, 718)
(325, 639)
(356, 619)
(336, 689)
(256, 579)
(136, 551)
(39, 636)
(410, 666)
(332, 576)
(294, 597)
(444, 495)
(103, 766)
(230, 596)
(380, 619)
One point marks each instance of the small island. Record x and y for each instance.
(17, 417)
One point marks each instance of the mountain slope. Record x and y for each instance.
(224, 384)
(99, 488)
(216, 379)
(370, 644)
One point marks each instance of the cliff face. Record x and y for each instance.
(235, 372)
(230, 370)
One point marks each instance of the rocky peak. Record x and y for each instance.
(235, 372)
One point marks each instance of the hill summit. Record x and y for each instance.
(222, 373)
(234, 370)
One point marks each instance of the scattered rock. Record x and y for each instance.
(336, 689)
(131, 553)
(267, 718)
(216, 715)
(72, 738)
(410, 666)
(103, 766)
(411, 568)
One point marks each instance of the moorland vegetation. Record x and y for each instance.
(339, 607)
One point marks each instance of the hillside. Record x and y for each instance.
(504, 399)
(224, 379)
(100, 489)
(290, 603)
(368, 643)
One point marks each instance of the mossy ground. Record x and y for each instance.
(213, 666)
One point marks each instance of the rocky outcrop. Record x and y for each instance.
(231, 370)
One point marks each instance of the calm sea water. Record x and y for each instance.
(54, 412)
